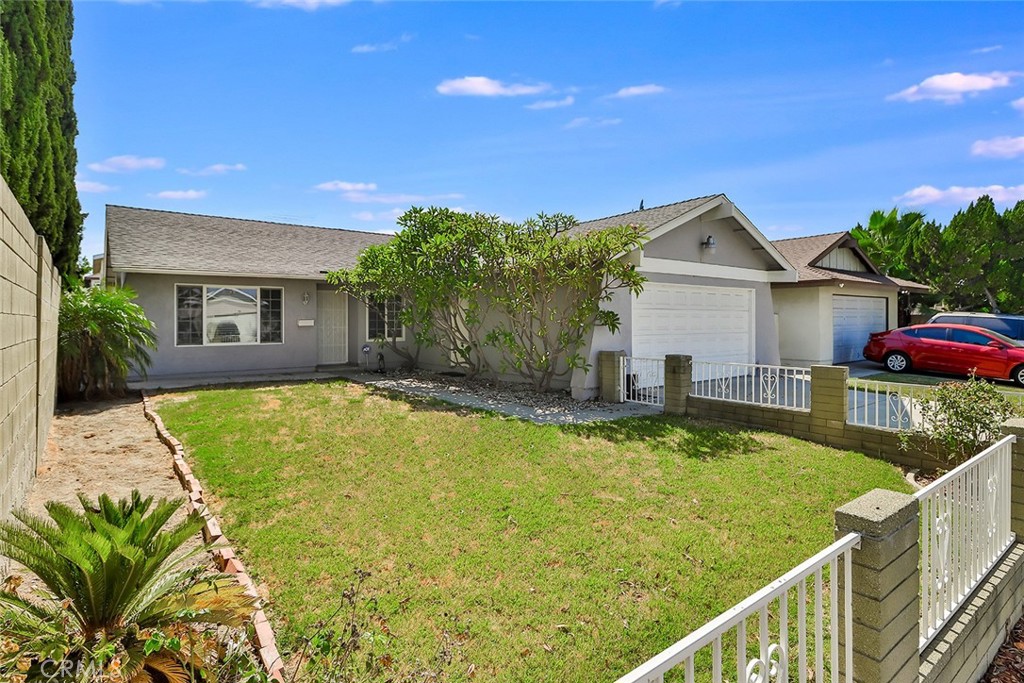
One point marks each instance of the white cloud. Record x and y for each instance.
(308, 5)
(126, 163)
(587, 122)
(180, 194)
(92, 186)
(389, 215)
(951, 88)
(567, 101)
(214, 169)
(366, 193)
(1018, 104)
(345, 186)
(1003, 147)
(395, 198)
(367, 48)
(481, 86)
(927, 194)
(638, 90)
(986, 50)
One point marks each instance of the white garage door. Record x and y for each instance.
(854, 318)
(708, 323)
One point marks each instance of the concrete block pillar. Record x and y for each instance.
(829, 398)
(678, 382)
(609, 375)
(885, 579)
(1016, 427)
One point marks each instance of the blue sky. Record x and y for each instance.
(808, 116)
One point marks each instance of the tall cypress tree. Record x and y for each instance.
(38, 125)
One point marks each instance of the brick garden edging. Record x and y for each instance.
(223, 555)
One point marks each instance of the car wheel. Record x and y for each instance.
(897, 362)
(1018, 375)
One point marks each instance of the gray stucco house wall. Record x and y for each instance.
(228, 259)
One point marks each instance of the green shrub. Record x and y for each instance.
(101, 336)
(961, 418)
(122, 602)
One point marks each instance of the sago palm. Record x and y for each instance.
(122, 591)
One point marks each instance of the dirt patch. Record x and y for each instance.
(105, 447)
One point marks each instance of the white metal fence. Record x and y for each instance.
(888, 406)
(798, 635)
(769, 385)
(643, 380)
(899, 406)
(965, 529)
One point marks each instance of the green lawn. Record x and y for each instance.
(518, 551)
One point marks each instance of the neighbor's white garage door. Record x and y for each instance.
(854, 318)
(708, 323)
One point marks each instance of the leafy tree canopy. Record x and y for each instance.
(974, 263)
(38, 125)
(494, 295)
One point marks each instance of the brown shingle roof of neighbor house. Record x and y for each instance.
(802, 252)
(150, 240)
(647, 219)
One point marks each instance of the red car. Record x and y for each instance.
(953, 349)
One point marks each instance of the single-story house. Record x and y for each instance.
(233, 296)
(840, 298)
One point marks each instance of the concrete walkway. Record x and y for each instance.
(189, 381)
(514, 402)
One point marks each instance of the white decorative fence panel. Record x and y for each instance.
(888, 406)
(965, 529)
(643, 380)
(768, 385)
(795, 634)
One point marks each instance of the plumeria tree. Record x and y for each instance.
(478, 288)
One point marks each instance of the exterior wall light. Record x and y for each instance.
(709, 245)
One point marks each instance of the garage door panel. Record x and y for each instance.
(708, 323)
(854, 318)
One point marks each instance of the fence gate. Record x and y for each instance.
(642, 380)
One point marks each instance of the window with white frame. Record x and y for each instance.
(382, 319)
(216, 314)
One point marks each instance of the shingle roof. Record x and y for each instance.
(168, 241)
(802, 252)
(648, 218)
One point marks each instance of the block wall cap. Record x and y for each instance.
(878, 513)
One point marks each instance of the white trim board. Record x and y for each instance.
(672, 267)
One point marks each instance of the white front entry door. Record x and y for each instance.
(854, 318)
(332, 327)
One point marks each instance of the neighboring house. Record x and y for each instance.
(231, 295)
(839, 300)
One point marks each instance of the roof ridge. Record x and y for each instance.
(807, 237)
(651, 208)
(246, 220)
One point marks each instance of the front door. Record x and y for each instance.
(332, 326)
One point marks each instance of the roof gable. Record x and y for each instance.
(659, 220)
(807, 254)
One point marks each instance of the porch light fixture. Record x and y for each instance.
(709, 245)
(305, 298)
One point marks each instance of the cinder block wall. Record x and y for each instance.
(29, 303)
